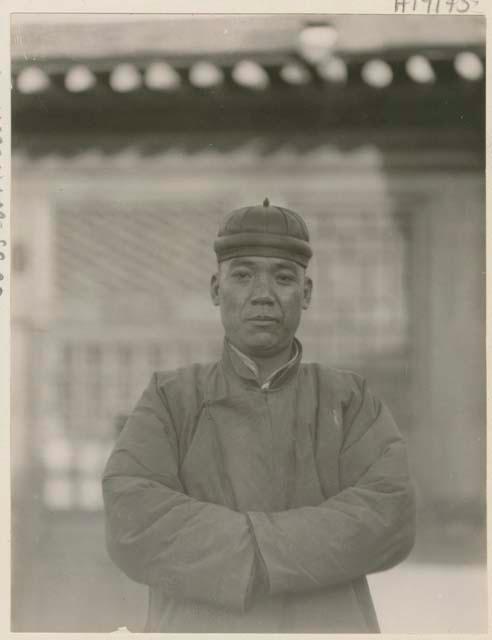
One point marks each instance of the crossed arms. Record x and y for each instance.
(206, 552)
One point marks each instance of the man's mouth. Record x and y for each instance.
(266, 319)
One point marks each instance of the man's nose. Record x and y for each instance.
(262, 293)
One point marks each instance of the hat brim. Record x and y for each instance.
(240, 245)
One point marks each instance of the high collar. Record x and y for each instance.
(241, 365)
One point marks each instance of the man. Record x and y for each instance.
(254, 494)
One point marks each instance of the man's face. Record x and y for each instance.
(261, 300)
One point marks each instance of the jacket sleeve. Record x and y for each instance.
(156, 533)
(367, 527)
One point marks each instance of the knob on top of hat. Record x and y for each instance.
(265, 218)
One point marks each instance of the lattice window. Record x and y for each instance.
(132, 251)
(361, 289)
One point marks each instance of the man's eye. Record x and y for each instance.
(285, 278)
(241, 275)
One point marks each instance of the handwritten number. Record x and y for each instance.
(400, 5)
(429, 4)
(434, 6)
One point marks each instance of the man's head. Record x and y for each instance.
(261, 285)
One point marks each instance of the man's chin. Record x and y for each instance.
(264, 347)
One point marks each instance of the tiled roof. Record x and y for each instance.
(226, 74)
(90, 37)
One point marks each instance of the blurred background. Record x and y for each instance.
(132, 135)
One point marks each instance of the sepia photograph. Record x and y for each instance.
(248, 365)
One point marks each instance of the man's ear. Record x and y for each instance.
(214, 289)
(308, 289)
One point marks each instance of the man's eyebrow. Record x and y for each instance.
(277, 265)
(285, 264)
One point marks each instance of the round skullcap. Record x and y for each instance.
(266, 231)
